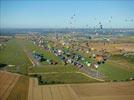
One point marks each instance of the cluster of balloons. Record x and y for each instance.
(72, 20)
(99, 24)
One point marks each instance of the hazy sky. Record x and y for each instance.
(58, 13)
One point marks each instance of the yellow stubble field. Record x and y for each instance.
(92, 91)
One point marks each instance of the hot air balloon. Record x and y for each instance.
(71, 17)
(100, 26)
(109, 21)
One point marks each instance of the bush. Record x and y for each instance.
(53, 82)
(35, 75)
(114, 80)
(2, 65)
(127, 79)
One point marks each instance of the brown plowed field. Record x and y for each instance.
(7, 82)
(93, 91)
(105, 91)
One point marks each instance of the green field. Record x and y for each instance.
(128, 58)
(53, 68)
(13, 54)
(65, 78)
(113, 71)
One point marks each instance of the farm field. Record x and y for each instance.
(93, 91)
(65, 78)
(105, 91)
(118, 68)
(115, 72)
(7, 83)
(53, 68)
(60, 75)
(13, 54)
(114, 47)
(20, 90)
(25, 88)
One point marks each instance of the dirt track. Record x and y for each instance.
(7, 82)
(93, 91)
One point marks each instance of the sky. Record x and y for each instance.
(66, 13)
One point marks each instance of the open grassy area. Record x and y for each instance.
(53, 68)
(13, 54)
(65, 78)
(20, 90)
(113, 71)
(128, 58)
(59, 74)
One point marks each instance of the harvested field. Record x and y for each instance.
(104, 91)
(50, 92)
(13, 54)
(20, 90)
(93, 91)
(7, 82)
(110, 47)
